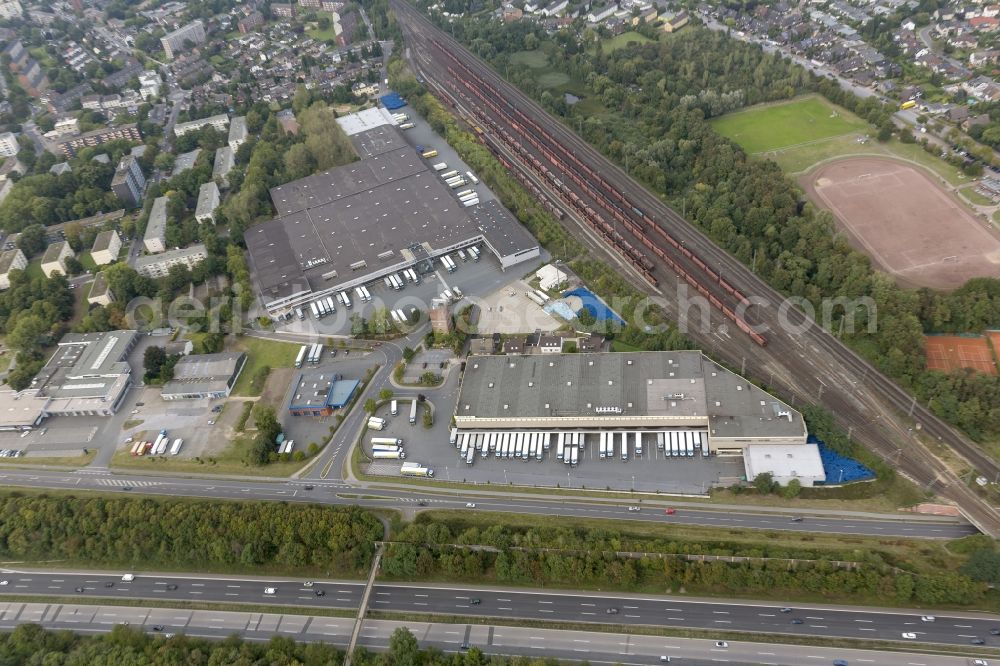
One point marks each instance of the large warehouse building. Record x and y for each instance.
(636, 400)
(357, 223)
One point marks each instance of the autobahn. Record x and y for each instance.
(477, 603)
(564, 644)
(340, 493)
(801, 358)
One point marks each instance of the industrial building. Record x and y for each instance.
(319, 393)
(87, 376)
(204, 376)
(354, 224)
(638, 392)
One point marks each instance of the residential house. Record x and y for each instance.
(54, 259)
(107, 245)
(11, 260)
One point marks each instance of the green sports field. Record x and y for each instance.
(766, 128)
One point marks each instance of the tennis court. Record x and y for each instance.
(952, 352)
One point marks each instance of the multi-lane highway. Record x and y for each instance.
(510, 604)
(567, 645)
(340, 493)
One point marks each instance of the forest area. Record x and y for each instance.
(448, 547)
(177, 534)
(656, 99)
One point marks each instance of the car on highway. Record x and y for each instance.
(612, 611)
(980, 662)
(786, 610)
(721, 644)
(310, 487)
(126, 487)
(4, 582)
(995, 631)
(172, 586)
(839, 662)
(308, 583)
(80, 590)
(909, 635)
(927, 618)
(270, 590)
(664, 659)
(797, 519)
(470, 505)
(110, 583)
(670, 511)
(157, 627)
(796, 620)
(978, 641)
(319, 593)
(635, 508)
(476, 601)
(212, 422)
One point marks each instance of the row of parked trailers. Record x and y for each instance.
(322, 307)
(157, 447)
(528, 445)
(309, 354)
(399, 280)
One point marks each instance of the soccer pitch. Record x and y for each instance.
(772, 127)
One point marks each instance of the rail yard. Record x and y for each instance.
(774, 343)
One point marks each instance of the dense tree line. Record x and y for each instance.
(175, 534)
(575, 557)
(31, 645)
(33, 313)
(659, 96)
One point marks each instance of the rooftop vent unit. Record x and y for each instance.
(609, 410)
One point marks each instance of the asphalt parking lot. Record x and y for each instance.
(475, 279)
(305, 429)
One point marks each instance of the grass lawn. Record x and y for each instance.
(228, 461)
(774, 126)
(262, 352)
(552, 79)
(51, 461)
(87, 261)
(624, 40)
(321, 35)
(534, 59)
(622, 347)
(975, 197)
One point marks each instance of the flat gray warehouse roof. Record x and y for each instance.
(647, 387)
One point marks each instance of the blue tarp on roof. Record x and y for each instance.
(392, 101)
(594, 305)
(838, 468)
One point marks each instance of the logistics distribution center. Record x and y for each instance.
(358, 223)
(679, 403)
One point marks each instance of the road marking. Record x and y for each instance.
(867, 621)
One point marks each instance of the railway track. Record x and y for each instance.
(799, 354)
